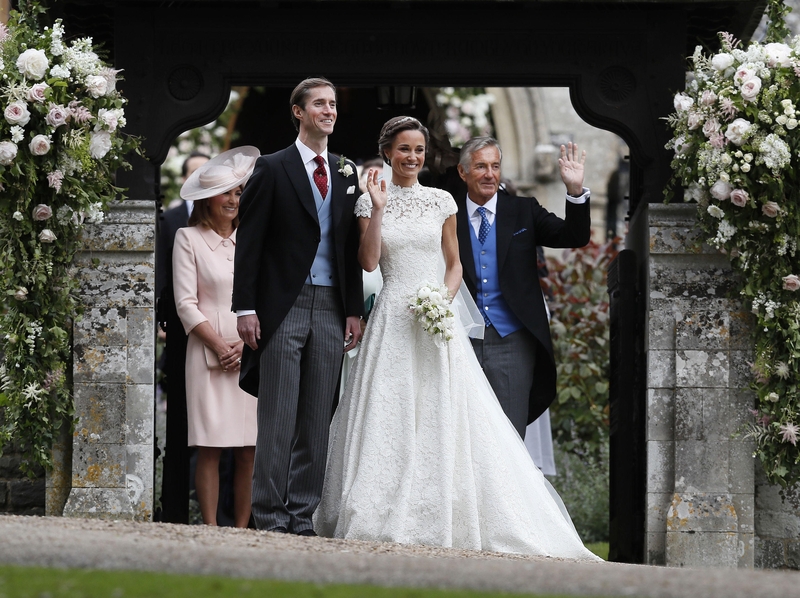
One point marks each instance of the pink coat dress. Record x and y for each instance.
(220, 413)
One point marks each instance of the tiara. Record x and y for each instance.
(404, 119)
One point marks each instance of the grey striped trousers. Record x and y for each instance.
(300, 368)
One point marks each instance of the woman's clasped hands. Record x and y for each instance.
(232, 358)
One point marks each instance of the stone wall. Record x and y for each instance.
(113, 371)
(19, 494)
(700, 481)
(777, 525)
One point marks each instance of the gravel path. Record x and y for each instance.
(60, 542)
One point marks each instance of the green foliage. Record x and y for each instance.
(777, 29)
(580, 332)
(60, 146)
(583, 485)
(736, 131)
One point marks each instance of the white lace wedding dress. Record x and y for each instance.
(420, 450)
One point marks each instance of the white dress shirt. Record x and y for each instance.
(491, 208)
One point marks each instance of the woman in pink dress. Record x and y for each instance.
(220, 414)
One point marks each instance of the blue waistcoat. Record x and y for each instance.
(490, 300)
(323, 270)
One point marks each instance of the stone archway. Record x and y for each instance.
(620, 62)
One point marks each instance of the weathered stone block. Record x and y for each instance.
(9, 466)
(102, 326)
(99, 503)
(655, 548)
(741, 467)
(660, 414)
(725, 412)
(139, 418)
(119, 237)
(26, 494)
(126, 280)
(98, 465)
(769, 554)
(702, 549)
(689, 413)
(776, 525)
(744, 504)
(741, 329)
(141, 363)
(701, 466)
(139, 480)
(703, 330)
(661, 369)
(100, 413)
(702, 512)
(746, 551)
(661, 331)
(98, 363)
(768, 496)
(657, 506)
(141, 326)
(740, 376)
(660, 466)
(680, 238)
(701, 369)
(131, 211)
(793, 555)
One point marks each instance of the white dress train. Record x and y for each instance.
(420, 451)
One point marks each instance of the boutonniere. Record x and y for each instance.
(344, 167)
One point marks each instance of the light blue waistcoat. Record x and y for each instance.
(323, 270)
(490, 300)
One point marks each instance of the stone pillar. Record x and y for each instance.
(700, 480)
(777, 525)
(113, 371)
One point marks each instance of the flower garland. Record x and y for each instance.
(737, 154)
(468, 112)
(60, 145)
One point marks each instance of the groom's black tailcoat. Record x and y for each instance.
(277, 241)
(522, 224)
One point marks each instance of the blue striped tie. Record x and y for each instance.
(483, 232)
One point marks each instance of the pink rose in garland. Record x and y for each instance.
(40, 145)
(739, 197)
(42, 212)
(791, 282)
(770, 209)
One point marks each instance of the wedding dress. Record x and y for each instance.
(420, 451)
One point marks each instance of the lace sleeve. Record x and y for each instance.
(364, 206)
(447, 204)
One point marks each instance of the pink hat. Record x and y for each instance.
(222, 173)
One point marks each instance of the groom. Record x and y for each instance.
(297, 294)
(497, 239)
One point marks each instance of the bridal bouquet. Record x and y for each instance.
(60, 146)
(736, 140)
(431, 308)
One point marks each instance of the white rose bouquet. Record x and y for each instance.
(736, 141)
(60, 146)
(431, 308)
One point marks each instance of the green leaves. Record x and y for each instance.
(580, 333)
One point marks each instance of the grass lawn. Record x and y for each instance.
(36, 582)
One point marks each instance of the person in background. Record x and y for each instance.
(219, 413)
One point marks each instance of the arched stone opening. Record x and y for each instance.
(621, 62)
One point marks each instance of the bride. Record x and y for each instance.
(420, 450)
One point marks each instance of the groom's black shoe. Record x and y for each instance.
(307, 532)
(279, 530)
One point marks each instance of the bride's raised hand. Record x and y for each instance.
(376, 189)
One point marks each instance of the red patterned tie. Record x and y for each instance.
(321, 177)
